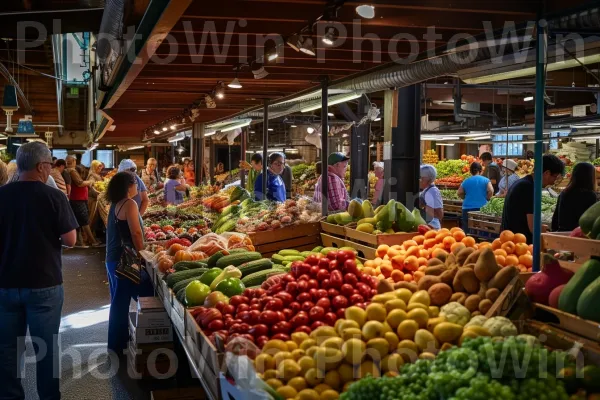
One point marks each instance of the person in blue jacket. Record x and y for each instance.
(275, 185)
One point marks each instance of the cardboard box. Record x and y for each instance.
(152, 319)
(149, 304)
(149, 335)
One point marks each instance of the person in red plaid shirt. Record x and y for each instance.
(338, 197)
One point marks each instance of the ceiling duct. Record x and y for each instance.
(110, 40)
(460, 114)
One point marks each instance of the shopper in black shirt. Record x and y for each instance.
(517, 215)
(35, 221)
(491, 171)
(577, 197)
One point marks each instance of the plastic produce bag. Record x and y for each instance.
(209, 244)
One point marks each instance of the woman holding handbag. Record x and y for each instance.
(124, 239)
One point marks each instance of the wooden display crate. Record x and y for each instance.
(507, 299)
(364, 252)
(300, 237)
(335, 230)
(352, 235)
(205, 354)
(453, 207)
(484, 225)
(582, 249)
(332, 241)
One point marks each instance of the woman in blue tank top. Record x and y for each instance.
(475, 192)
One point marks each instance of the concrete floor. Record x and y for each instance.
(84, 326)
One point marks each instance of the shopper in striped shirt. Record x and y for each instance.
(337, 195)
(509, 177)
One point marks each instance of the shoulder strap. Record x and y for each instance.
(120, 208)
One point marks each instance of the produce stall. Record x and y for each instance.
(321, 324)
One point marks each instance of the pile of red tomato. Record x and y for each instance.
(314, 293)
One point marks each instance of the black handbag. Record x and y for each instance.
(130, 264)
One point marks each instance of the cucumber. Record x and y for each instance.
(277, 258)
(238, 259)
(187, 265)
(175, 277)
(289, 253)
(251, 267)
(293, 258)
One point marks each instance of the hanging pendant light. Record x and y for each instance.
(9, 105)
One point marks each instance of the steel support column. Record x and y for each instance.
(212, 164)
(244, 139)
(198, 150)
(265, 146)
(402, 155)
(540, 84)
(359, 154)
(324, 147)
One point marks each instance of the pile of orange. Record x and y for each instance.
(407, 262)
(512, 249)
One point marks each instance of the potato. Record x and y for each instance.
(406, 285)
(439, 293)
(492, 294)
(448, 276)
(468, 280)
(435, 270)
(485, 305)
(472, 259)
(384, 286)
(463, 255)
(434, 261)
(427, 281)
(458, 297)
(472, 302)
(503, 277)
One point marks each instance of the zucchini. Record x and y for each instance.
(306, 253)
(238, 259)
(212, 260)
(289, 253)
(180, 296)
(236, 251)
(182, 284)
(175, 277)
(257, 278)
(187, 265)
(293, 258)
(228, 226)
(255, 266)
(278, 266)
(277, 258)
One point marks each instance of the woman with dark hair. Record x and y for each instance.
(475, 192)
(578, 196)
(275, 185)
(174, 186)
(124, 226)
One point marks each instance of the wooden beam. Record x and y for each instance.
(159, 19)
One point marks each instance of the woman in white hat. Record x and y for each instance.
(377, 195)
(509, 177)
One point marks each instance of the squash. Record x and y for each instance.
(555, 295)
(164, 263)
(539, 286)
(183, 255)
(175, 247)
(587, 305)
(586, 274)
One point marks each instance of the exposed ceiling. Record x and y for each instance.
(164, 89)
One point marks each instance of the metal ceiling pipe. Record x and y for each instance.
(57, 57)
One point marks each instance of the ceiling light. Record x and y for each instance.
(270, 129)
(330, 36)
(293, 126)
(310, 129)
(135, 147)
(173, 127)
(334, 101)
(528, 98)
(142, 110)
(260, 72)
(252, 131)
(220, 90)
(377, 119)
(445, 144)
(272, 54)
(307, 47)
(295, 41)
(209, 133)
(479, 137)
(366, 11)
(235, 84)
(164, 128)
(156, 132)
(330, 114)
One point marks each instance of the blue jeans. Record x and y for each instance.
(40, 311)
(121, 292)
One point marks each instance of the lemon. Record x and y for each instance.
(298, 383)
(287, 392)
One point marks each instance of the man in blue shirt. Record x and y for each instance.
(142, 197)
(275, 185)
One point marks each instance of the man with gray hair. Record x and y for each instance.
(430, 199)
(31, 291)
(141, 198)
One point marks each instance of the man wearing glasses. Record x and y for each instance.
(31, 291)
(517, 215)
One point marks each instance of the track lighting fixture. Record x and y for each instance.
(235, 84)
(330, 36)
(164, 128)
(295, 41)
(307, 47)
(272, 54)
(220, 90)
(156, 131)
